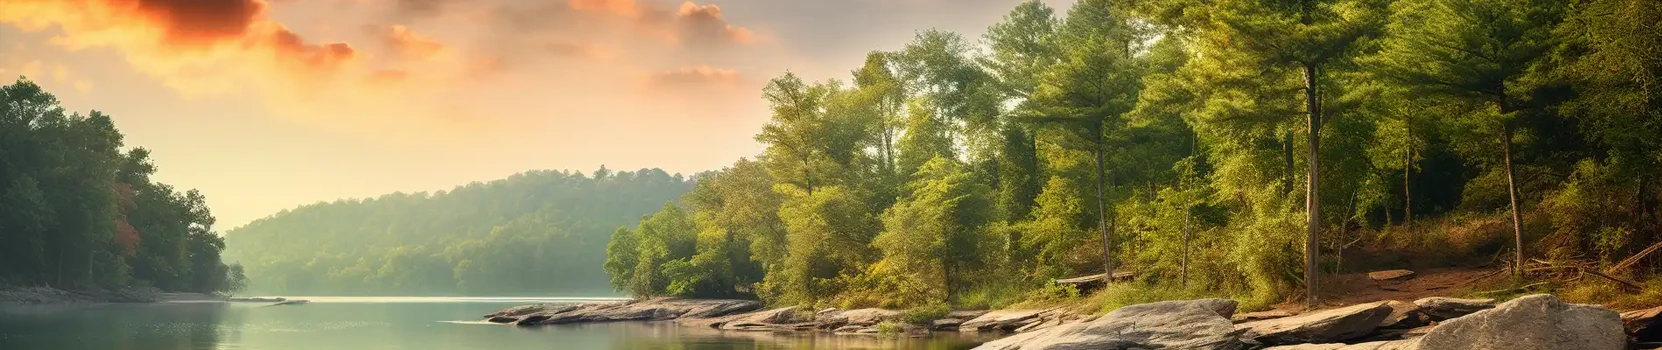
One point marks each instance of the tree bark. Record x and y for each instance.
(1312, 203)
(1183, 183)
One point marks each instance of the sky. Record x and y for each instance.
(265, 105)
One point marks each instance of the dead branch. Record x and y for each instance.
(1634, 259)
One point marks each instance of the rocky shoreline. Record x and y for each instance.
(49, 295)
(1530, 322)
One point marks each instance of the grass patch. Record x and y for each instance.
(925, 314)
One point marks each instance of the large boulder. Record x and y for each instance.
(1441, 308)
(1001, 321)
(1644, 325)
(1189, 324)
(1534, 322)
(1327, 326)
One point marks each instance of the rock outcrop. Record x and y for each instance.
(635, 310)
(1404, 315)
(1378, 345)
(1534, 322)
(1190, 324)
(1327, 326)
(1440, 308)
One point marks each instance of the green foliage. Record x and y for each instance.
(76, 211)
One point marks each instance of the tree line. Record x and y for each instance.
(78, 209)
(538, 232)
(1240, 146)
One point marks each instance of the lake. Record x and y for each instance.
(380, 323)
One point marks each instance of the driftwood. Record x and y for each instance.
(1634, 259)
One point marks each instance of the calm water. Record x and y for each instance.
(376, 324)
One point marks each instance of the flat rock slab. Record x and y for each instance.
(1391, 275)
(1188, 324)
(1644, 325)
(1441, 308)
(1378, 345)
(635, 310)
(1000, 320)
(766, 320)
(1260, 316)
(1326, 326)
(1533, 322)
(858, 317)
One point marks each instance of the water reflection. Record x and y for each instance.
(379, 325)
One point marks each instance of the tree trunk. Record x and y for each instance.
(1102, 212)
(1407, 194)
(1187, 207)
(1287, 155)
(1512, 192)
(1312, 203)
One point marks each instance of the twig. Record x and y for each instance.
(1486, 275)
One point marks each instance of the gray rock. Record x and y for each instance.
(966, 314)
(1190, 324)
(1404, 315)
(1000, 320)
(1327, 326)
(1440, 308)
(1534, 322)
(503, 319)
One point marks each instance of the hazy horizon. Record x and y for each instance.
(278, 104)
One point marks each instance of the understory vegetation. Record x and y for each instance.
(1244, 148)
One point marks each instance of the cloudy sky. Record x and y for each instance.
(270, 104)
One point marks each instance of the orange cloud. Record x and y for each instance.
(694, 77)
(688, 24)
(408, 43)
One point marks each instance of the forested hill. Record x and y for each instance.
(535, 232)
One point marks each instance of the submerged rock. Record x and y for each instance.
(1189, 324)
(1534, 322)
(1327, 326)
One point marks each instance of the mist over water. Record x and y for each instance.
(379, 323)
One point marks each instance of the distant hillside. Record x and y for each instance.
(539, 232)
